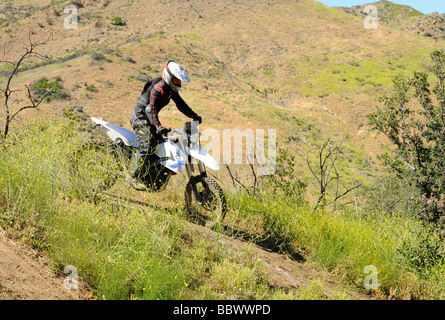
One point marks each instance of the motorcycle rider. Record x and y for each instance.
(155, 95)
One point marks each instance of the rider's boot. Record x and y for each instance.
(135, 168)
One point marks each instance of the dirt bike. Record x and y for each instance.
(97, 165)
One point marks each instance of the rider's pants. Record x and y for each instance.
(148, 143)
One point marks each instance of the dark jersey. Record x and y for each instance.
(155, 96)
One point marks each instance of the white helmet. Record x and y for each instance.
(174, 70)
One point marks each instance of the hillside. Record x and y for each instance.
(405, 18)
(260, 67)
(309, 71)
(24, 276)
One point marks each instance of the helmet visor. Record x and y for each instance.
(176, 81)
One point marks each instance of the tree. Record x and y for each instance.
(417, 134)
(327, 156)
(9, 112)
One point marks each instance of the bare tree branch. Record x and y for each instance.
(7, 92)
(256, 180)
(324, 177)
(236, 179)
(33, 104)
(4, 55)
(345, 193)
(310, 168)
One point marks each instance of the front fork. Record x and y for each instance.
(189, 170)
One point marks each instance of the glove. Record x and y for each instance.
(162, 131)
(198, 118)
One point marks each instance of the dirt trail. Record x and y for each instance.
(24, 276)
(284, 272)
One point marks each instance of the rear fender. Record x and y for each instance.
(116, 133)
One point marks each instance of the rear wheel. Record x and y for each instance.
(94, 167)
(209, 204)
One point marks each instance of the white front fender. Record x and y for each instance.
(203, 156)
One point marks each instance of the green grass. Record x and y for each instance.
(122, 252)
(341, 75)
(344, 242)
(125, 252)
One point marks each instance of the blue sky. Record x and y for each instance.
(424, 6)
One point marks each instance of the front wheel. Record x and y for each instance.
(208, 204)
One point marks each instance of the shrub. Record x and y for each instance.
(117, 21)
(98, 56)
(130, 59)
(53, 89)
(285, 180)
(417, 135)
(422, 251)
(91, 88)
(4, 22)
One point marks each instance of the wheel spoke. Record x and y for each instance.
(210, 205)
(94, 168)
